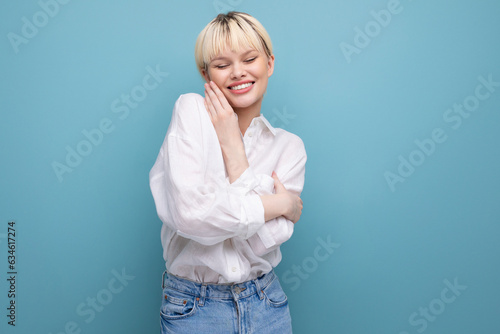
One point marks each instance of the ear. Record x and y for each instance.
(270, 65)
(205, 75)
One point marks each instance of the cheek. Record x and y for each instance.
(227, 95)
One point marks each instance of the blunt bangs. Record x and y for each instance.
(233, 30)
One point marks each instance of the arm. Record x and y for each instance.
(282, 209)
(225, 123)
(197, 205)
(277, 231)
(227, 128)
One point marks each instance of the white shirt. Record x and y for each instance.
(214, 231)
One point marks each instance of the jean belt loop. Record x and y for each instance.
(163, 280)
(203, 293)
(259, 290)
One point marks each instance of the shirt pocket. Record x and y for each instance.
(177, 304)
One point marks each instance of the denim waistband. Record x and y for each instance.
(220, 291)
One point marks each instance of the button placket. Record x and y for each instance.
(252, 132)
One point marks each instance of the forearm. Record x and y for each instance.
(235, 160)
(273, 206)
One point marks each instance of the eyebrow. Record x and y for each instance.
(224, 58)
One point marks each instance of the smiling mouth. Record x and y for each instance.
(242, 86)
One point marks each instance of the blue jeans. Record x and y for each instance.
(256, 306)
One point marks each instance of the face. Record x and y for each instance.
(241, 76)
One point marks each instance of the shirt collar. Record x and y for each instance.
(264, 121)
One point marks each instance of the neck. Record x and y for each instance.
(245, 115)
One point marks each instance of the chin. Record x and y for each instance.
(241, 105)
(241, 102)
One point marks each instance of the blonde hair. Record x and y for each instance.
(234, 30)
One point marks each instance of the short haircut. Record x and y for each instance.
(234, 29)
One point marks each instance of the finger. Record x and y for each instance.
(210, 108)
(222, 99)
(207, 95)
(275, 177)
(214, 99)
(208, 103)
(278, 185)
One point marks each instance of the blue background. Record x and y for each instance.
(357, 114)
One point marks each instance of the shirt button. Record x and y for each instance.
(234, 269)
(249, 134)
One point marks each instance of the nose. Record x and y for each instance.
(238, 70)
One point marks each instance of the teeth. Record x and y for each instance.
(241, 86)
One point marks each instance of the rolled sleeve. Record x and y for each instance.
(250, 181)
(278, 230)
(255, 214)
(198, 206)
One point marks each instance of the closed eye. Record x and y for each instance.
(250, 60)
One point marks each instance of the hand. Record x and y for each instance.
(293, 203)
(228, 131)
(222, 116)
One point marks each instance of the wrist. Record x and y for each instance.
(235, 160)
(236, 165)
(233, 147)
(283, 204)
(273, 206)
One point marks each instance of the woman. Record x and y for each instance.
(226, 185)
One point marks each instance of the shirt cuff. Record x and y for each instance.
(245, 183)
(265, 185)
(266, 236)
(254, 211)
(262, 184)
